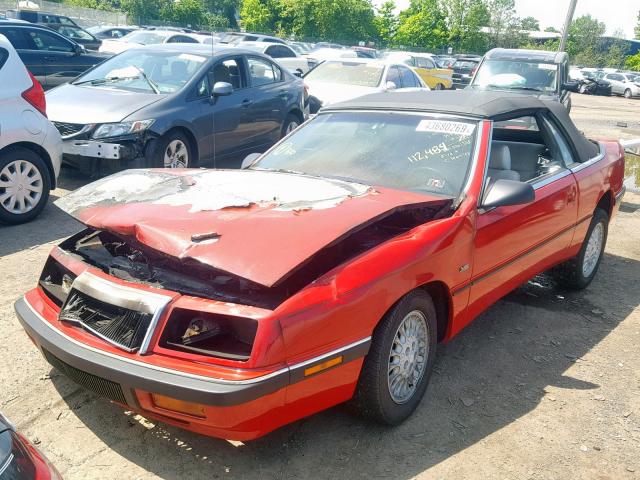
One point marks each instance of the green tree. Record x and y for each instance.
(465, 19)
(386, 22)
(422, 25)
(190, 13)
(633, 62)
(504, 24)
(218, 10)
(552, 30)
(530, 23)
(258, 15)
(584, 45)
(346, 21)
(141, 11)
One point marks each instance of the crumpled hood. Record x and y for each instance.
(259, 225)
(329, 93)
(85, 104)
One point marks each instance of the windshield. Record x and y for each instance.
(144, 38)
(347, 73)
(166, 72)
(512, 74)
(74, 33)
(395, 150)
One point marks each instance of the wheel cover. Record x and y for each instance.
(291, 127)
(21, 187)
(408, 357)
(176, 155)
(593, 251)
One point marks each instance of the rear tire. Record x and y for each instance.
(396, 371)
(627, 93)
(578, 272)
(439, 86)
(25, 184)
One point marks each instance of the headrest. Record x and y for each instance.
(500, 158)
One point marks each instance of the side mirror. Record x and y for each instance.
(249, 159)
(390, 86)
(79, 49)
(503, 193)
(571, 85)
(222, 89)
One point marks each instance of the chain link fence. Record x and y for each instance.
(85, 17)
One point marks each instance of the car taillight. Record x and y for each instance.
(35, 96)
(209, 334)
(19, 459)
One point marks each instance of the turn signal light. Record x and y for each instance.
(323, 366)
(179, 406)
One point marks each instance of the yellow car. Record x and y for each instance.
(426, 67)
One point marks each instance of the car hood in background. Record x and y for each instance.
(329, 93)
(258, 225)
(117, 46)
(84, 104)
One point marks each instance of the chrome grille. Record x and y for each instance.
(118, 325)
(68, 129)
(104, 388)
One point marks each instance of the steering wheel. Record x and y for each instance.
(436, 175)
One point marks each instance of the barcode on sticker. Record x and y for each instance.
(444, 126)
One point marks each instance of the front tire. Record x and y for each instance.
(172, 150)
(396, 371)
(627, 93)
(24, 185)
(290, 124)
(578, 272)
(439, 86)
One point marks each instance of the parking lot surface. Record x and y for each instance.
(546, 384)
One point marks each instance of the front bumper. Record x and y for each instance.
(94, 149)
(129, 375)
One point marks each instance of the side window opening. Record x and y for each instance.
(526, 150)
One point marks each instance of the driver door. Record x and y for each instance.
(223, 122)
(58, 55)
(514, 243)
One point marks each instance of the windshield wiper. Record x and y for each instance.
(512, 87)
(152, 84)
(102, 81)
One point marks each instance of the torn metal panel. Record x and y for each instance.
(265, 223)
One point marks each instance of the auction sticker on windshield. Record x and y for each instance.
(445, 126)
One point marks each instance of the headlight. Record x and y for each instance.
(209, 334)
(107, 130)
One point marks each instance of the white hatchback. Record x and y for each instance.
(30, 146)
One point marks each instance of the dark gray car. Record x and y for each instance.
(535, 72)
(176, 105)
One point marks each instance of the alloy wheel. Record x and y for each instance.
(290, 127)
(21, 187)
(408, 357)
(176, 155)
(593, 251)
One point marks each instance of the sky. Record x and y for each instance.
(616, 14)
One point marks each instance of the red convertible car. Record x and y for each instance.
(232, 302)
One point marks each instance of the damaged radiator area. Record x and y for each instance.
(127, 259)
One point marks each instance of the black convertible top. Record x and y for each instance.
(493, 105)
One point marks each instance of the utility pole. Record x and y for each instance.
(567, 24)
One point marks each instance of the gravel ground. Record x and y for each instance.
(544, 385)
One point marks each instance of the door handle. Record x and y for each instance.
(49, 59)
(246, 102)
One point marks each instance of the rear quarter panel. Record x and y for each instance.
(598, 178)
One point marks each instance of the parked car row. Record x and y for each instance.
(606, 82)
